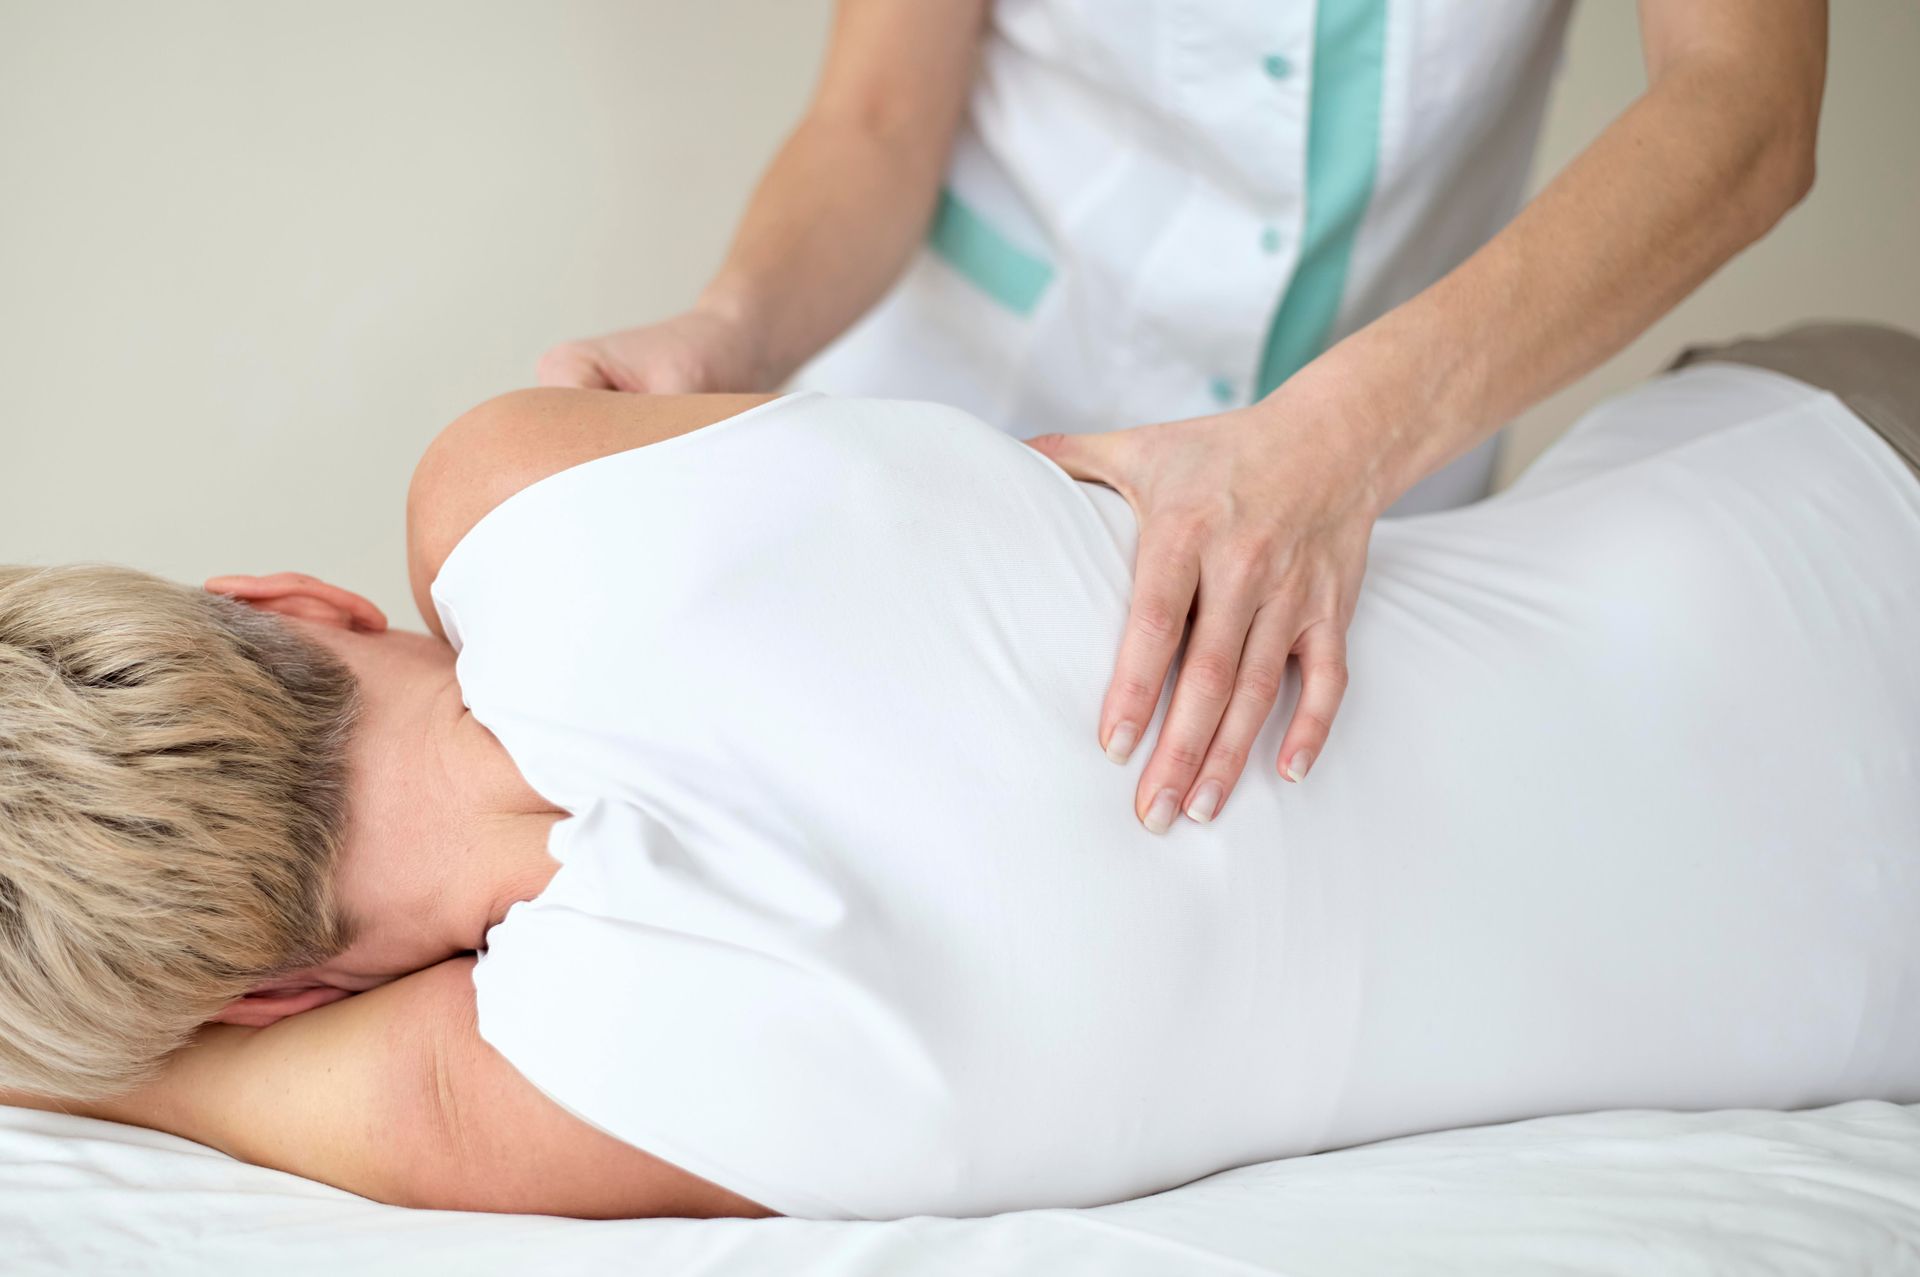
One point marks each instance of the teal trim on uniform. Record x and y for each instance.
(996, 266)
(1343, 152)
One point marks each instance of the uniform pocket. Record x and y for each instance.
(1013, 276)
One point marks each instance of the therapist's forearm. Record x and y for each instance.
(1698, 168)
(847, 198)
(828, 230)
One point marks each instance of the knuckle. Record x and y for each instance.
(1183, 756)
(1136, 690)
(1209, 673)
(1182, 513)
(1170, 554)
(1314, 725)
(1295, 594)
(1154, 619)
(1329, 669)
(1246, 558)
(1182, 530)
(1228, 758)
(1260, 681)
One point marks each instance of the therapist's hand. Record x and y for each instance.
(699, 352)
(1256, 521)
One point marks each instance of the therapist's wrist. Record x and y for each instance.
(1349, 426)
(738, 310)
(1407, 395)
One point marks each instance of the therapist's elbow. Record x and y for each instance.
(1767, 135)
(1782, 154)
(1791, 160)
(1775, 173)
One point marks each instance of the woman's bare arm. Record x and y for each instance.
(393, 1095)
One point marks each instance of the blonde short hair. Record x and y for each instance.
(172, 803)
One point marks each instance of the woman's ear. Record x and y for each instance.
(308, 598)
(264, 1006)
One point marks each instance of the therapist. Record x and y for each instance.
(1284, 231)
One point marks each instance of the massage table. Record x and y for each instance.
(1827, 1191)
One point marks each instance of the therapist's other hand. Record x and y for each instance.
(1255, 521)
(697, 352)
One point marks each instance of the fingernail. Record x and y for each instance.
(1205, 802)
(1297, 769)
(1160, 815)
(1120, 744)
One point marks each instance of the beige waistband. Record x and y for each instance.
(1873, 370)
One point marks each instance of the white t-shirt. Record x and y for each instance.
(854, 918)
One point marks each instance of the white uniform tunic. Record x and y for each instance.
(1157, 209)
(853, 917)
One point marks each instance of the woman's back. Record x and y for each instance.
(855, 919)
(1647, 728)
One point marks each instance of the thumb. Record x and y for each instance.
(666, 378)
(1093, 456)
(574, 365)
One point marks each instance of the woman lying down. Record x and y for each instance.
(735, 844)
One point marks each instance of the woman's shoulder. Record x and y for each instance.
(515, 440)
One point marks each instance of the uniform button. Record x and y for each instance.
(1221, 389)
(1277, 67)
(1270, 240)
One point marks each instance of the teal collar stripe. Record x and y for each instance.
(1343, 150)
(998, 267)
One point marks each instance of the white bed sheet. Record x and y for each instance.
(1825, 1192)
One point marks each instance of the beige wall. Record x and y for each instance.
(253, 254)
